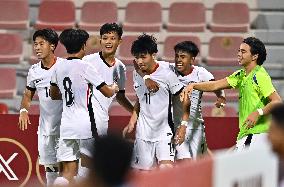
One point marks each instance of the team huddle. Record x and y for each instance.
(75, 95)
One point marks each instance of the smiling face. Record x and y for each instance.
(43, 48)
(145, 62)
(244, 55)
(183, 61)
(109, 43)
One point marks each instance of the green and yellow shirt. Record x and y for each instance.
(254, 90)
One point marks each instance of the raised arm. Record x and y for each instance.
(108, 90)
(151, 85)
(208, 86)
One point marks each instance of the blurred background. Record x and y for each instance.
(216, 26)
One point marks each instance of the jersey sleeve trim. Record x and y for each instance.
(178, 92)
(30, 88)
(53, 84)
(101, 85)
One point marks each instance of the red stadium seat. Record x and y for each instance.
(171, 41)
(95, 14)
(223, 50)
(34, 109)
(230, 17)
(124, 51)
(212, 111)
(56, 14)
(118, 110)
(186, 17)
(4, 108)
(14, 14)
(7, 83)
(11, 48)
(60, 51)
(143, 17)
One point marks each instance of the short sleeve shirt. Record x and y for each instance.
(254, 90)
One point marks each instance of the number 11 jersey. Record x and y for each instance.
(155, 108)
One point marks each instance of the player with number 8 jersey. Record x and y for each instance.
(71, 81)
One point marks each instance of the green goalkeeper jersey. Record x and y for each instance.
(254, 90)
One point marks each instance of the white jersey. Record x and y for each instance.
(72, 77)
(198, 74)
(111, 74)
(38, 79)
(154, 116)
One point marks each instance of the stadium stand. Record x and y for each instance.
(172, 40)
(223, 50)
(94, 14)
(4, 108)
(7, 83)
(56, 14)
(118, 110)
(34, 109)
(124, 53)
(226, 17)
(11, 48)
(186, 17)
(11, 20)
(212, 111)
(143, 17)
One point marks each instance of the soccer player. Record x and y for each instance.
(257, 95)
(70, 82)
(45, 42)
(195, 143)
(153, 132)
(112, 70)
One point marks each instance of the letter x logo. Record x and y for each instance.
(6, 168)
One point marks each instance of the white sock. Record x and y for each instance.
(61, 181)
(50, 177)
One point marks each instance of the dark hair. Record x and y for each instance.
(112, 158)
(144, 44)
(73, 39)
(188, 47)
(277, 114)
(256, 47)
(47, 34)
(111, 27)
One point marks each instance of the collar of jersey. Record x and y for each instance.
(104, 60)
(71, 58)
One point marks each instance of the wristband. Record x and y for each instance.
(146, 77)
(24, 110)
(184, 123)
(260, 111)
